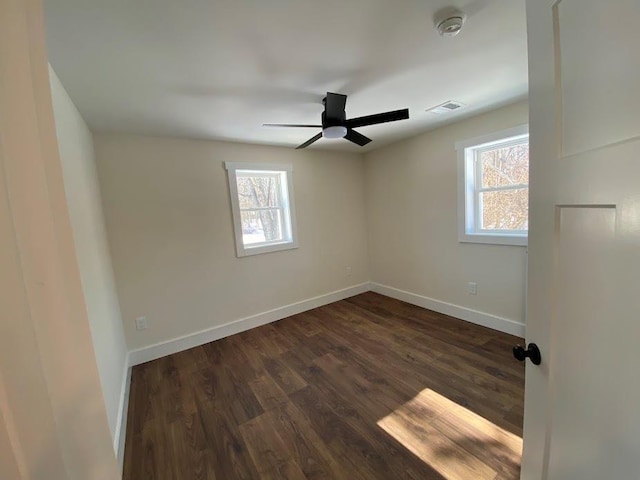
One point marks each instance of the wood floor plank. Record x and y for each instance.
(436, 449)
(188, 453)
(293, 329)
(266, 447)
(284, 375)
(268, 392)
(365, 388)
(347, 380)
(227, 453)
(307, 324)
(307, 448)
(177, 398)
(289, 470)
(226, 385)
(500, 450)
(253, 356)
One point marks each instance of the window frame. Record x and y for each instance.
(286, 206)
(470, 188)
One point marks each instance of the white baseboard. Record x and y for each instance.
(123, 409)
(473, 316)
(179, 344)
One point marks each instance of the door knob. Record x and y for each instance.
(532, 351)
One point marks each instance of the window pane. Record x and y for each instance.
(258, 190)
(505, 209)
(505, 166)
(261, 226)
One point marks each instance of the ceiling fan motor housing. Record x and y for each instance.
(333, 126)
(333, 120)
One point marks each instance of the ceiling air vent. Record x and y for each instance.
(446, 107)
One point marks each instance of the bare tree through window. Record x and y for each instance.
(504, 187)
(260, 207)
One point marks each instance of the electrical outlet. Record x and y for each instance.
(473, 288)
(141, 323)
(348, 271)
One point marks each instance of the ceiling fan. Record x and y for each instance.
(336, 125)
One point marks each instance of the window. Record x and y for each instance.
(493, 188)
(262, 207)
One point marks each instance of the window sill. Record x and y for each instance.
(248, 251)
(513, 240)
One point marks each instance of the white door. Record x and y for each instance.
(582, 408)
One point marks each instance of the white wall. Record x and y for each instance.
(411, 198)
(92, 250)
(169, 222)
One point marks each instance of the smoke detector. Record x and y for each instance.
(449, 22)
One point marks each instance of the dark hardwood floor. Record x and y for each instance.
(365, 388)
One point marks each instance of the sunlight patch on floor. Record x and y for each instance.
(451, 438)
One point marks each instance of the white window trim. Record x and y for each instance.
(288, 203)
(467, 192)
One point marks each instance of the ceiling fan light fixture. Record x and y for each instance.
(337, 131)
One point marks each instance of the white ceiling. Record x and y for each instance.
(218, 69)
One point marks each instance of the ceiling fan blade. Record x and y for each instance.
(378, 118)
(357, 138)
(310, 141)
(334, 106)
(289, 125)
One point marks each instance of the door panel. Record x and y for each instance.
(581, 410)
(593, 359)
(599, 97)
(575, 381)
